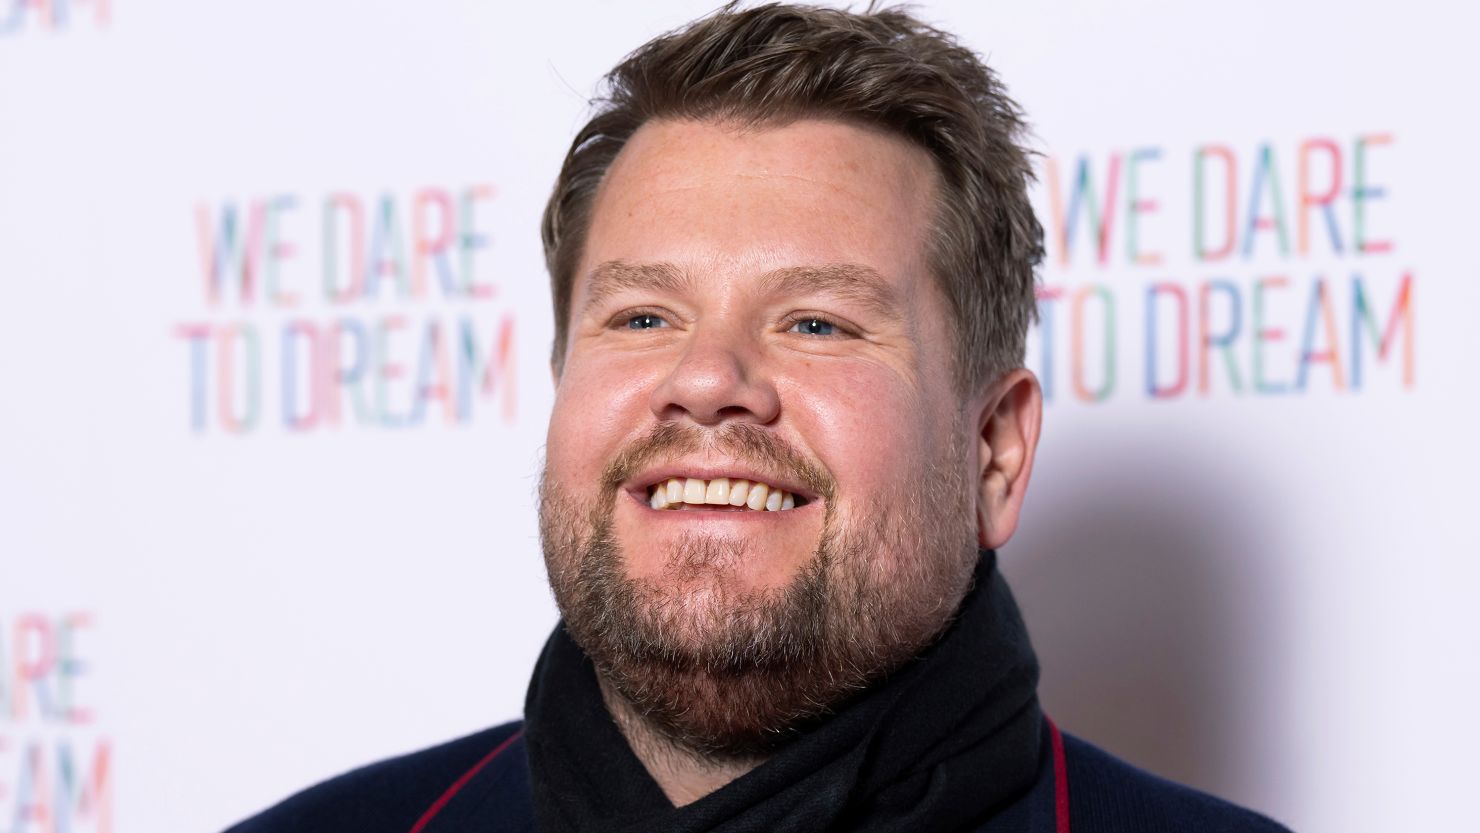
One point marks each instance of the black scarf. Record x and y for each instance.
(940, 745)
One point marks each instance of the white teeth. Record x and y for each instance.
(738, 490)
(757, 497)
(674, 492)
(693, 490)
(718, 492)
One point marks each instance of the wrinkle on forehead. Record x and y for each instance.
(768, 152)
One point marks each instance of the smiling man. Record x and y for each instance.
(793, 266)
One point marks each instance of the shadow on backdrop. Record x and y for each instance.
(1149, 578)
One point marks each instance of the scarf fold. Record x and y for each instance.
(940, 745)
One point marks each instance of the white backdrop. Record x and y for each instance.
(273, 385)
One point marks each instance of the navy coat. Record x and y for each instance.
(481, 783)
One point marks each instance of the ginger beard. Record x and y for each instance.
(727, 672)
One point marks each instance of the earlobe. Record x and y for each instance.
(1007, 437)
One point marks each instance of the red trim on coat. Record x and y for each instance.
(432, 811)
(1060, 780)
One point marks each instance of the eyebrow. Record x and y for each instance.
(849, 281)
(615, 276)
(853, 282)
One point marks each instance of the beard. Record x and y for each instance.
(728, 672)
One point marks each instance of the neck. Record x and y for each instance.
(684, 775)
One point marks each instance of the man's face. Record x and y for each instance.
(754, 304)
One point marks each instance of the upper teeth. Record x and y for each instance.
(721, 491)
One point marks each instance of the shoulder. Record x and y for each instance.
(391, 795)
(1108, 795)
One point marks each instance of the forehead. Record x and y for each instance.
(718, 198)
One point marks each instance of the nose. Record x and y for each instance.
(718, 378)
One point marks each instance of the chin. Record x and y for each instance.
(727, 633)
(714, 572)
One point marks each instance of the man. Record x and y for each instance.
(792, 259)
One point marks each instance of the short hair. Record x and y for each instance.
(881, 68)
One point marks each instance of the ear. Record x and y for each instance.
(1010, 416)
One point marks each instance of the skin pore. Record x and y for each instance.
(754, 303)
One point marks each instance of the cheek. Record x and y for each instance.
(870, 427)
(598, 407)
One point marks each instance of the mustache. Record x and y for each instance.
(747, 443)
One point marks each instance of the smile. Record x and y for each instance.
(729, 493)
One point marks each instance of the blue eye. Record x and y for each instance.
(645, 322)
(815, 327)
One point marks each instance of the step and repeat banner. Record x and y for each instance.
(274, 339)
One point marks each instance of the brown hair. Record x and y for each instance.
(881, 68)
